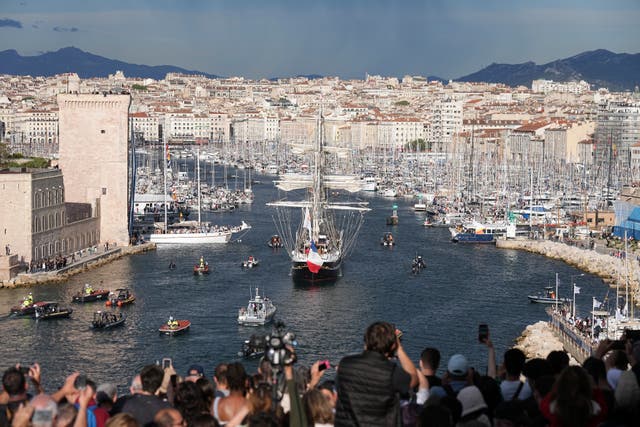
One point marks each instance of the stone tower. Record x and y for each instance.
(94, 130)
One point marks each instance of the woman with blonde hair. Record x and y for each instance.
(318, 408)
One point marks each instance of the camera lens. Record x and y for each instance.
(275, 342)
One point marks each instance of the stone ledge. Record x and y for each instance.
(80, 266)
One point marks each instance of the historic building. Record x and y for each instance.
(94, 157)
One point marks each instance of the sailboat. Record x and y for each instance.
(328, 230)
(194, 232)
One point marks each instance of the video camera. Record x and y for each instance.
(279, 346)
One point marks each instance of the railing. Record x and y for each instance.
(574, 341)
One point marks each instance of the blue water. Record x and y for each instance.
(462, 286)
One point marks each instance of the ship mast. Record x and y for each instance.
(316, 196)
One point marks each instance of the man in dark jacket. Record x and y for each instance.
(145, 404)
(369, 383)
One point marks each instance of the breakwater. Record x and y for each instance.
(80, 265)
(611, 269)
(539, 339)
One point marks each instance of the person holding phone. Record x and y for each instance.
(369, 382)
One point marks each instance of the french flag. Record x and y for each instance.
(314, 260)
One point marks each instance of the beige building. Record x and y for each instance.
(35, 221)
(94, 157)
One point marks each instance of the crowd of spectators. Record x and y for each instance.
(381, 386)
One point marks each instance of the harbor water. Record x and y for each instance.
(462, 286)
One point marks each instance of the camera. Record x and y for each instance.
(24, 370)
(278, 343)
(324, 364)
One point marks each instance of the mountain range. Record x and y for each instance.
(601, 68)
(85, 64)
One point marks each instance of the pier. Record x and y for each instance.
(609, 268)
(84, 263)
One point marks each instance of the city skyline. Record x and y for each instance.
(347, 39)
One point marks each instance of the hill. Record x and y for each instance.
(85, 64)
(601, 68)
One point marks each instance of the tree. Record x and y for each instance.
(402, 103)
(139, 87)
(418, 145)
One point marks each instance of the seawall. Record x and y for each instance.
(83, 264)
(609, 268)
(539, 339)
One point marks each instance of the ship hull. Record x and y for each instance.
(190, 238)
(329, 272)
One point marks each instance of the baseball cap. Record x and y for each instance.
(195, 371)
(458, 365)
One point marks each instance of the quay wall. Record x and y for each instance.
(607, 267)
(81, 265)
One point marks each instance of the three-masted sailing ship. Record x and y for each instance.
(328, 230)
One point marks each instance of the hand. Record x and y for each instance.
(35, 374)
(69, 384)
(316, 374)
(85, 397)
(22, 416)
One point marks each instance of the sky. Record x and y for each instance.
(345, 38)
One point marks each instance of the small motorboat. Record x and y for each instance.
(107, 320)
(174, 327)
(199, 270)
(259, 311)
(88, 294)
(427, 223)
(387, 240)
(120, 297)
(250, 263)
(548, 297)
(51, 310)
(253, 347)
(26, 308)
(275, 242)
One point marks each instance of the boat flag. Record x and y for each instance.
(307, 221)
(596, 303)
(314, 260)
(576, 290)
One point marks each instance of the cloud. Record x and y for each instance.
(65, 29)
(5, 22)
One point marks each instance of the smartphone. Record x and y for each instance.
(24, 370)
(81, 382)
(324, 364)
(483, 332)
(166, 363)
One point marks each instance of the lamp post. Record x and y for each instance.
(573, 276)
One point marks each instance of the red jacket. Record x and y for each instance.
(546, 407)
